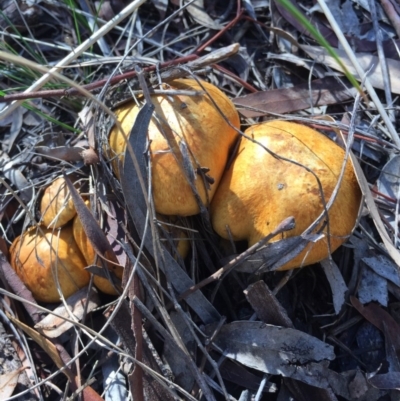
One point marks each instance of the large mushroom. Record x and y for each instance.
(206, 122)
(45, 259)
(260, 189)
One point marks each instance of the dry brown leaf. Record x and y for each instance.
(388, 185)
(44, 343)
(266, 305)
(196, 10)
(177, 363)
(389, 45)
(18, 179)
(279, 101)
(53, 326)
(373, 210)
(67, 153)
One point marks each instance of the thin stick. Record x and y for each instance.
(382, 58)
(193, 62)
(390, 10)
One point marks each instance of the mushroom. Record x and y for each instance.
(56, 206)
(43, 258)
(208, 131)
(260, 189)
(84, 244)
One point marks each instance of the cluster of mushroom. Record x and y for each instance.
(207, 123)
(278, 171)
(51, 259)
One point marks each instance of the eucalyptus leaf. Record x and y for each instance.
(276, 350)
(383, 266)
(336, 282)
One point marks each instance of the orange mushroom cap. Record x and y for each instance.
(57, 207)
(259, 190)
(43, 260)
(197, 121)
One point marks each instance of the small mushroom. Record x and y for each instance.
(260, 189)
(56, 206)
(205, 125)
(43, 260)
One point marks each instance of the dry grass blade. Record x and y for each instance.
(74, 54)
(52, 74)
(48, 347)
(361, 73)
(369, 63)
(80, 304)
(382, 58)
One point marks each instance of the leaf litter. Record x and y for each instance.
(323, 332)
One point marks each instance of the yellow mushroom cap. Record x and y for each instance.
(207, 134)
(259, 190)
(56, 205)
(42, 260)
(103, 284)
